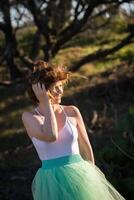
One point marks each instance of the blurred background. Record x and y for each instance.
(94, 40)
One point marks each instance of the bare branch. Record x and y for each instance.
(72, 30)
(35, 45)
(121, 150)
(77, 24)
(19, 18)
(76, 11)
(39, 19)
(25, 59)
(103, 53)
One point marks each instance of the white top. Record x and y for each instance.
(66, 143)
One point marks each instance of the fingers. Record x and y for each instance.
(38, 87)
(34, 87)
(43, 87)
(40, 91)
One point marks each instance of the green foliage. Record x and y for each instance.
(119, 23)
(117, 165)
(126, 124)
(25, 39)
(118, 157)
(81, 41)
(125, 54)
(125, 128)
(128, 184)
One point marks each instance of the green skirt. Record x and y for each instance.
(72, 178)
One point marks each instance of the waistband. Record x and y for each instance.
(65, 160)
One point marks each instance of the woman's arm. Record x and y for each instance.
(34, 127)
(84, 143)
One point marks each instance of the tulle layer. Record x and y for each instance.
(72, 178)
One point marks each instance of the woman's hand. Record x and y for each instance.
(40, 92)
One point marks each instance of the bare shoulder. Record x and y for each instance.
(26, 115)
(72, 110)
(32, 124)
(29, 114)
(26, 118)
(30, 118)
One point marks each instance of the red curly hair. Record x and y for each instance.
(47, 74)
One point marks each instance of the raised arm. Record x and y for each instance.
(33, 124)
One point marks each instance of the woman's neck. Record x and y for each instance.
(56, 107)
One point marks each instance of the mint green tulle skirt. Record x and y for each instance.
(72, 178)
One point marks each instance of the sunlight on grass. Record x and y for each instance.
(13, 102)
(103, 66)
(73, 54)
(11, 132)
(125, 54)
(93, 69)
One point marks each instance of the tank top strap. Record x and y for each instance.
(68, 120)
(63, 111)
(36, 110)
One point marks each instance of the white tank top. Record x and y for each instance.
(66, 143)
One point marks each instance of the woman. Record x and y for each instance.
(58, 133)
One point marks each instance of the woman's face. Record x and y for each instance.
(57, 91)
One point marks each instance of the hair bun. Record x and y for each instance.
(39, 65)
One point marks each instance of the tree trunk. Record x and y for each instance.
(47, 52)
(13, 70)
(10, 51)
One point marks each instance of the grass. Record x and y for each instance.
(11, 111)
(98, 87)
(93, 94)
